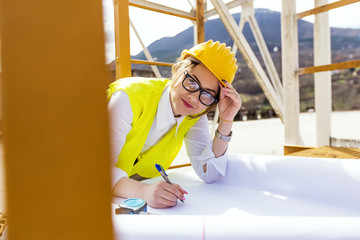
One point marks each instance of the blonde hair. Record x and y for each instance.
(179, 67)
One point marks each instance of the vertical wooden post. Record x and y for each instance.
(200, 25)
(290, 62)
(55, 120)
(322, 80)
(0, 97)
(122, 39)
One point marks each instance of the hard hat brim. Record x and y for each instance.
(186, 53)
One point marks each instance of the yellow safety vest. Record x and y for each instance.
(144, 95)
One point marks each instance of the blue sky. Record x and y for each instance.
(152, 26)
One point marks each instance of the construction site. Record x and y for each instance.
(293, 169)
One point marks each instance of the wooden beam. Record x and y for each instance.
(164, 64)
(295, 148)
(290, 62)
(146, 51)
(161, 9)
(122, 39)
(200, 26)
(55, 135)
(328, 67)
(249, 56)
(264, 51)
(180, 165)
(325, 8)
(229, 5)
(322, 80)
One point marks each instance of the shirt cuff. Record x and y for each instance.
(116, 175)
(215, 168)
(219, 163)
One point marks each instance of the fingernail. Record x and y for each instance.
(183, 199)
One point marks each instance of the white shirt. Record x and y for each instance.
(197, 140)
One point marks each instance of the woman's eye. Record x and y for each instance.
(207, 95)
(192, 83)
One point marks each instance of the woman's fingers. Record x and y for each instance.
(231, 92)
(229, 89)
(164, 195)
(233, 95)
(180, 188)
(230, 102)
(176, 190)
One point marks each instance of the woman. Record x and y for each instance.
(150, 119)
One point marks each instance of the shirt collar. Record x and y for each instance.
(164, 115)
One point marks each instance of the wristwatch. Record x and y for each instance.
(223, 137)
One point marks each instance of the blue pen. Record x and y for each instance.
(164, 175)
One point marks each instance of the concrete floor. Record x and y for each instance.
(267, 136)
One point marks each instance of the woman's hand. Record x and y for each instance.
(157, 195)
(163, 195)
(229, 102)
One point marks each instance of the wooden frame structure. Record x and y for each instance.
(56, 138)
(321, 69)
(272, 87)
(283, 96)
(122, 28)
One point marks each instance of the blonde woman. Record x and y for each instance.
(151, 118)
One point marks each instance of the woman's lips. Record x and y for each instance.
(186, 104)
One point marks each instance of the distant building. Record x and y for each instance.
(136, 71)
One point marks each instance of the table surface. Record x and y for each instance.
(262, 191)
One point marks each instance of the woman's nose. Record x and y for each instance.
(194, 98)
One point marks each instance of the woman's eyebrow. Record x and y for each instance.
(208, 89)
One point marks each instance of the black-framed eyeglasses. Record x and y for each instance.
(191, 85)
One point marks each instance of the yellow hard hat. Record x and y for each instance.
(216, 57)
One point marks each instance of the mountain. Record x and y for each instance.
(169, 48)
(345, 46)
